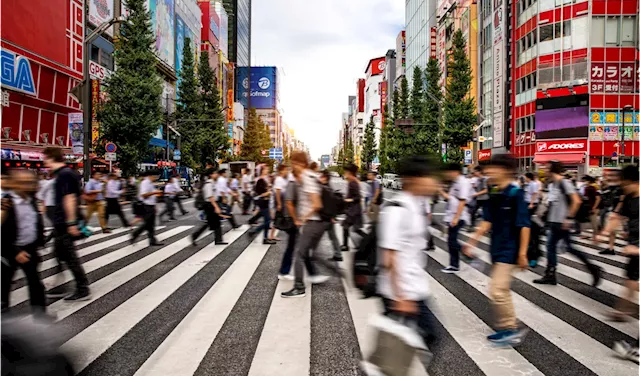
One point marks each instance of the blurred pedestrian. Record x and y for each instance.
(114, 192)
(353, 201)
(94, 198)
(375, 191)
(170, 193)
(262, 195)
(210, 207)
(457, 213)
(148, 194)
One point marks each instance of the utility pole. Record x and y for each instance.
(167, 124)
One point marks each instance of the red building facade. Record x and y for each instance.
(575, 68)
(35, 116)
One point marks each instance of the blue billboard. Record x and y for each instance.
(262, 87)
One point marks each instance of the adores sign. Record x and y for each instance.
(549, 146)
(16, 72)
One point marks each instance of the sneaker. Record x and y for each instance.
(106, 231)
(293, 293)
(509, 337)
(626, 351)
(533, 263)
(450, 270)
(221, 243)
(607, 252)
(57, 292)
(344, 249)
(336, 258)
(268, 241)
(318, 279)
(287, 277)
(78, 296)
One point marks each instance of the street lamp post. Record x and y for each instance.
(624, 111)
(86, 102)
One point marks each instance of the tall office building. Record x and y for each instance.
(239, 12)
(419, 18)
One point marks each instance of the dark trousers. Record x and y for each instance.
(30, 269)
(113, 207)
(474, 210)
(178, 201)
(65, 251)
(454, 244)
(310, 236)
(266, 214)
(213, 223)
(246, 202)
(50, 212)
(331, 231)
(354, 222)
(556, 234)
(168, 208)
(287, 258)
(424, 318)
(533, 252)
(149, 224)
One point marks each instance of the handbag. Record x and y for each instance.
(397, 343)
(282, 222)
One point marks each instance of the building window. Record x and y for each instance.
(546, 33)
(566, 28)
(628, 31)
(614, 31)
(611, 31)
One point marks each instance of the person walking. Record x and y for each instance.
(353, 203)
(591, 203)
(46, 195)
(506, 215)
(402, 277)
(234, 191)
(325, 180)
(564, 203)
(312, 227)
(532, 195)
(22, 236)
(211, 209)
(177, 197)
(246, 191)
(376, 197)
(612, 198)
(457, 212)
(262, 195)
(114, 192)
(481, 194)
(148, 194)
(170, 193)
(95, 200)
(66, 217)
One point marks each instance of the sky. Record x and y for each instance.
(322, 48)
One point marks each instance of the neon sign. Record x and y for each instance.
(16, 74)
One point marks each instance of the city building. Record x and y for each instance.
(419, 19)
(374, 76)
(41, 62)
(570, 83)
(387, 86)
(263, 90)
(239, 47)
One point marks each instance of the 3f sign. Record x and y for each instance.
(16, 72)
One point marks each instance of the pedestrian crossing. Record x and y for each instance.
(213, 309)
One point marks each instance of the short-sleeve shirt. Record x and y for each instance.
(246, 181)
(630, 210)
(480, 185)
(94, 185)
(209, 190)
(460, 190)
(308, 187)
(532, 188)
(146, 187)
(558, 207)
(67, 183)
(222, 187)
(403, 229)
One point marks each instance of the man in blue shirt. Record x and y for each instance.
(506, 215)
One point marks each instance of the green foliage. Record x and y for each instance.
(459, 106)
(432, 103)
(369, 147)
(416, 101)
(386, 142)
(133, 112)
(256, 139)
(402, 111)
(213, 132)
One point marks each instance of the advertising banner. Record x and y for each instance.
(433, 38)
(76, 135)
(596, 133)
(383, 99)
(163, 23)
(442, 55)
(242, 85)
(499, 56)
(224, 28)
(627, 79)
(230, 105)
(401, 54)
(613, 117)
(562, 118)
(612, 77)
(376, 66)
(214, 24)
(98, 72)
(262, 86)
(547, 146)
(484, 155)
(101, 11)
(610, 133)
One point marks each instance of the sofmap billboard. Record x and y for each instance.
(262, 87)
(163, 23)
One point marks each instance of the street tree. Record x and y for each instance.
(133, 112)
(188, 108)
(369, 147)
(403, 100)
(212, 131)
(256, 139)
(416, 100)
(432, 106)
(459, 105)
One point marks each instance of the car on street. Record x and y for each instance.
(387, 180)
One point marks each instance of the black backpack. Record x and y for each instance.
(199, 202)
(332, 203)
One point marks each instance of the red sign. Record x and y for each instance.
(376, 66)
(432, 44)
(627, 77)
(229, 105)
(383, 100)
(361, 84)
(559, 146)
(484, 155)
(605, 77)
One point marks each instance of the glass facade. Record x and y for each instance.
(239, 31)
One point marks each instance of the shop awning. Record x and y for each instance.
(566, 158)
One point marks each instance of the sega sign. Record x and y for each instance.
(16, 72)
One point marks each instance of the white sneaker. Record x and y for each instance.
(626, 351)
(287, 277)
(318, 279)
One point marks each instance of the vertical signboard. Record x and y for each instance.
(433, 37)
(442, 55)
(499, 56)
(101, 11)
(383, 100)
(76, 134)
(401, 54)
(230, 105)
(95, 104)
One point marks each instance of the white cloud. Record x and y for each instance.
(322, 48)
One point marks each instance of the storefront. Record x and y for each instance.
(571, 152)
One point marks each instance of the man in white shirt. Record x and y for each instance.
(95, 200)
(402, 278)
(114, 191)
(148, 195)
(246, 191)
(222, 185)
(47, 196)
(177, 197)
(211, 209)
(532, 198)
(457, 213)
(170, 193)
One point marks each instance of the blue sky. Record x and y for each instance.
(322, 48)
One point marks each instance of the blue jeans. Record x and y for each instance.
(266, 214)
(287, 258)
(557, 233)
(454, 244)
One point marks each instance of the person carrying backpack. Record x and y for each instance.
(354, 205)
(506, 215)
(330, 203)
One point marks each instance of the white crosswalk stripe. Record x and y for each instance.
(143, 320)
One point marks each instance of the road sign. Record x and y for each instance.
(177, 155)
(468, 156)
(111, 157)
(264, 152)
(482, 139)
(110, 147)
(275, 153)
